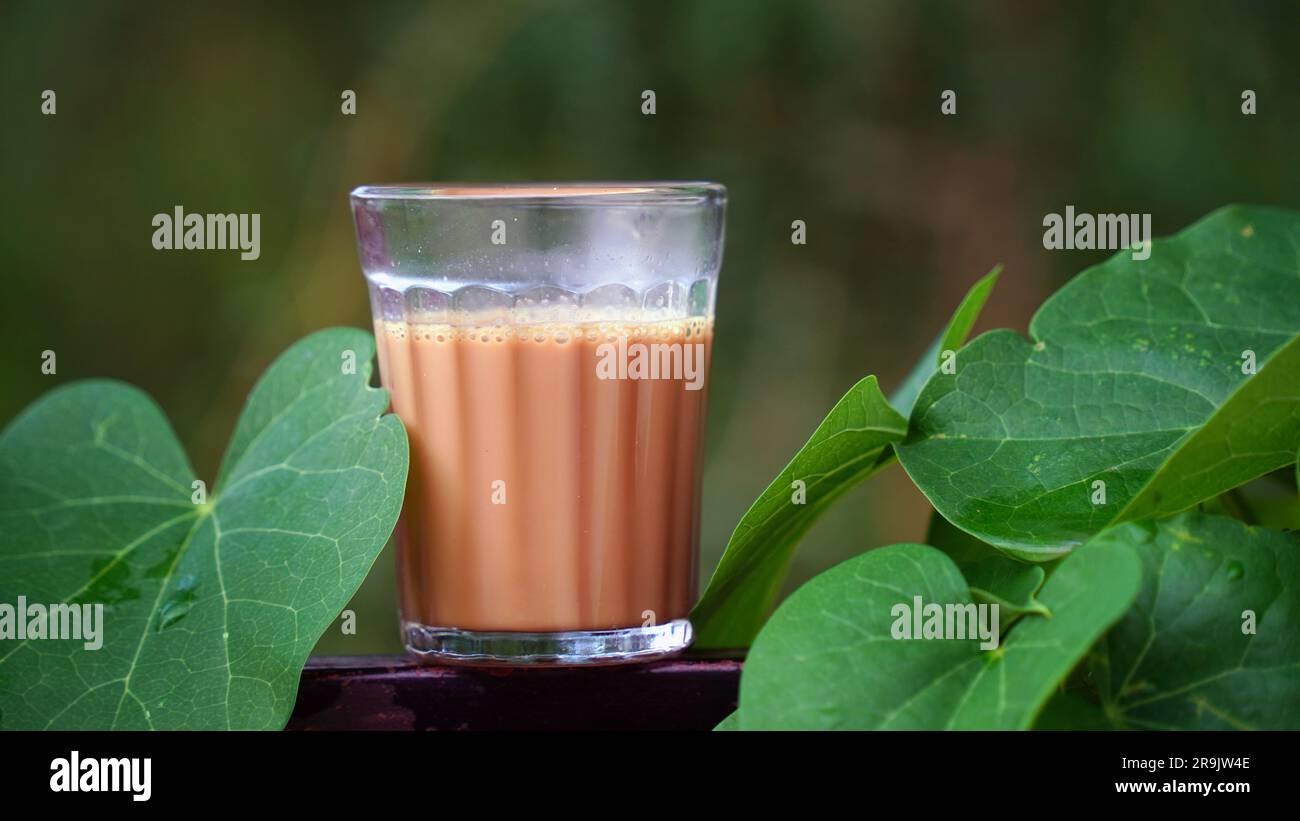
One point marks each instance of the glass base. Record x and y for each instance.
(448, 645)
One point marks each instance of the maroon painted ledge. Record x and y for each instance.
(395, 693)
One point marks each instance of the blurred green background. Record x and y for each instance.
(822, 111)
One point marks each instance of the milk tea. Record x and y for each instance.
(554, 478)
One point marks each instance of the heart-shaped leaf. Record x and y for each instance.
(210, 606)
(842, 452)
(1211, 641)
(828, 659)
(1148, 386)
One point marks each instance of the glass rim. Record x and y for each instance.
(543, 194)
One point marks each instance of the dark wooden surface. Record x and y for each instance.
(394, 693)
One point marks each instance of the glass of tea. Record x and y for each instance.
(547, 348)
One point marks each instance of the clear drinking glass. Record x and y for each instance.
(547, 349)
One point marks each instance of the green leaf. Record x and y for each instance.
(951, 338)
(748, 578)
(827, 658)
(994, 577)
(1182, 658)
(1067, 711)
(731, 722)
(1134, 378)
(209, 610)
(842, 452)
